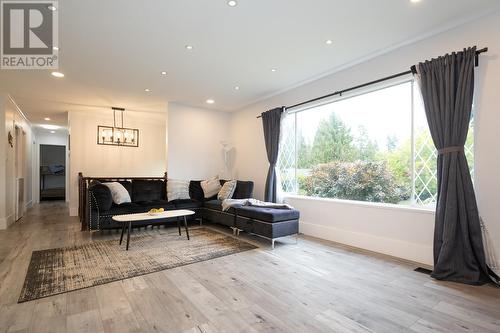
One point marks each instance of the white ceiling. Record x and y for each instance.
(111, 50)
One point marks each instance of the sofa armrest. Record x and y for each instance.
(94, 212)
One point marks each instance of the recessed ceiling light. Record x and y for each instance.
(163, 73)
(237, 88)
(328, 42)
(232, 3)
(147, 90)
(415, 1)
(52, 132)
(55, 48)
(57, 74)
(210, 101)
(273, 69)
(46, 119)
(52, 8)
(189, 47)
(49, 127)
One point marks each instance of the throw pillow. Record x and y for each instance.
(210, 187)
(177, 189)
(118, 192)
(227, 190)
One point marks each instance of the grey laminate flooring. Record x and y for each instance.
(312, 286)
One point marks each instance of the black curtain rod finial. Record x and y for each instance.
(483, 50)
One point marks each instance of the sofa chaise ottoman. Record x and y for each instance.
(269, 223)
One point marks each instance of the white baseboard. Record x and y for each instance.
(73, 211)
(410, 251)
(5, 222)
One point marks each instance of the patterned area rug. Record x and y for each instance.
(57, 271)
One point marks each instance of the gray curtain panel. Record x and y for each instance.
(447, 85)
(271, 122)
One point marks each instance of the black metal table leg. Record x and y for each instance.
(179, 225)
(186, 226)
(128, 233)
(123, 230)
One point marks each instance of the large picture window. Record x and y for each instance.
(373, 147)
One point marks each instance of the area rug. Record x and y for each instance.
(57, 271)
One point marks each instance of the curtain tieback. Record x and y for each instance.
(451, 149)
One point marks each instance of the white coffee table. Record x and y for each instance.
(128, 219)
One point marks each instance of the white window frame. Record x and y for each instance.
(388, 84)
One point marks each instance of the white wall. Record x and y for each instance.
(194, 136)
(44, 137)
(402, 233)
(10, 117)
(4, 148)
(149, 159)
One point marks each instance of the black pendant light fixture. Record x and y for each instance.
(117, 135)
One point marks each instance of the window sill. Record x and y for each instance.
(363, 204)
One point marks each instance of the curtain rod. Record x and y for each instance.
(413, 70)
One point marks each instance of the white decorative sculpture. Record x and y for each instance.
(227, 148)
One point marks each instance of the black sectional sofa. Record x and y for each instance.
(145, 194)
(151, 193)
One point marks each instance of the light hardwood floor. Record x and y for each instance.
(315, 286)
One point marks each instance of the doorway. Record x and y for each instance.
(19, 169)
(52, 172)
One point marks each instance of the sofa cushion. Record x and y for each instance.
(118, 192)
(213, 204)
(187, 204)
(195, 191)
(102, 195)
(244, 190)
(147, 205)
(268, 214)
(125, 208)
(148, 190)
(217, 205)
